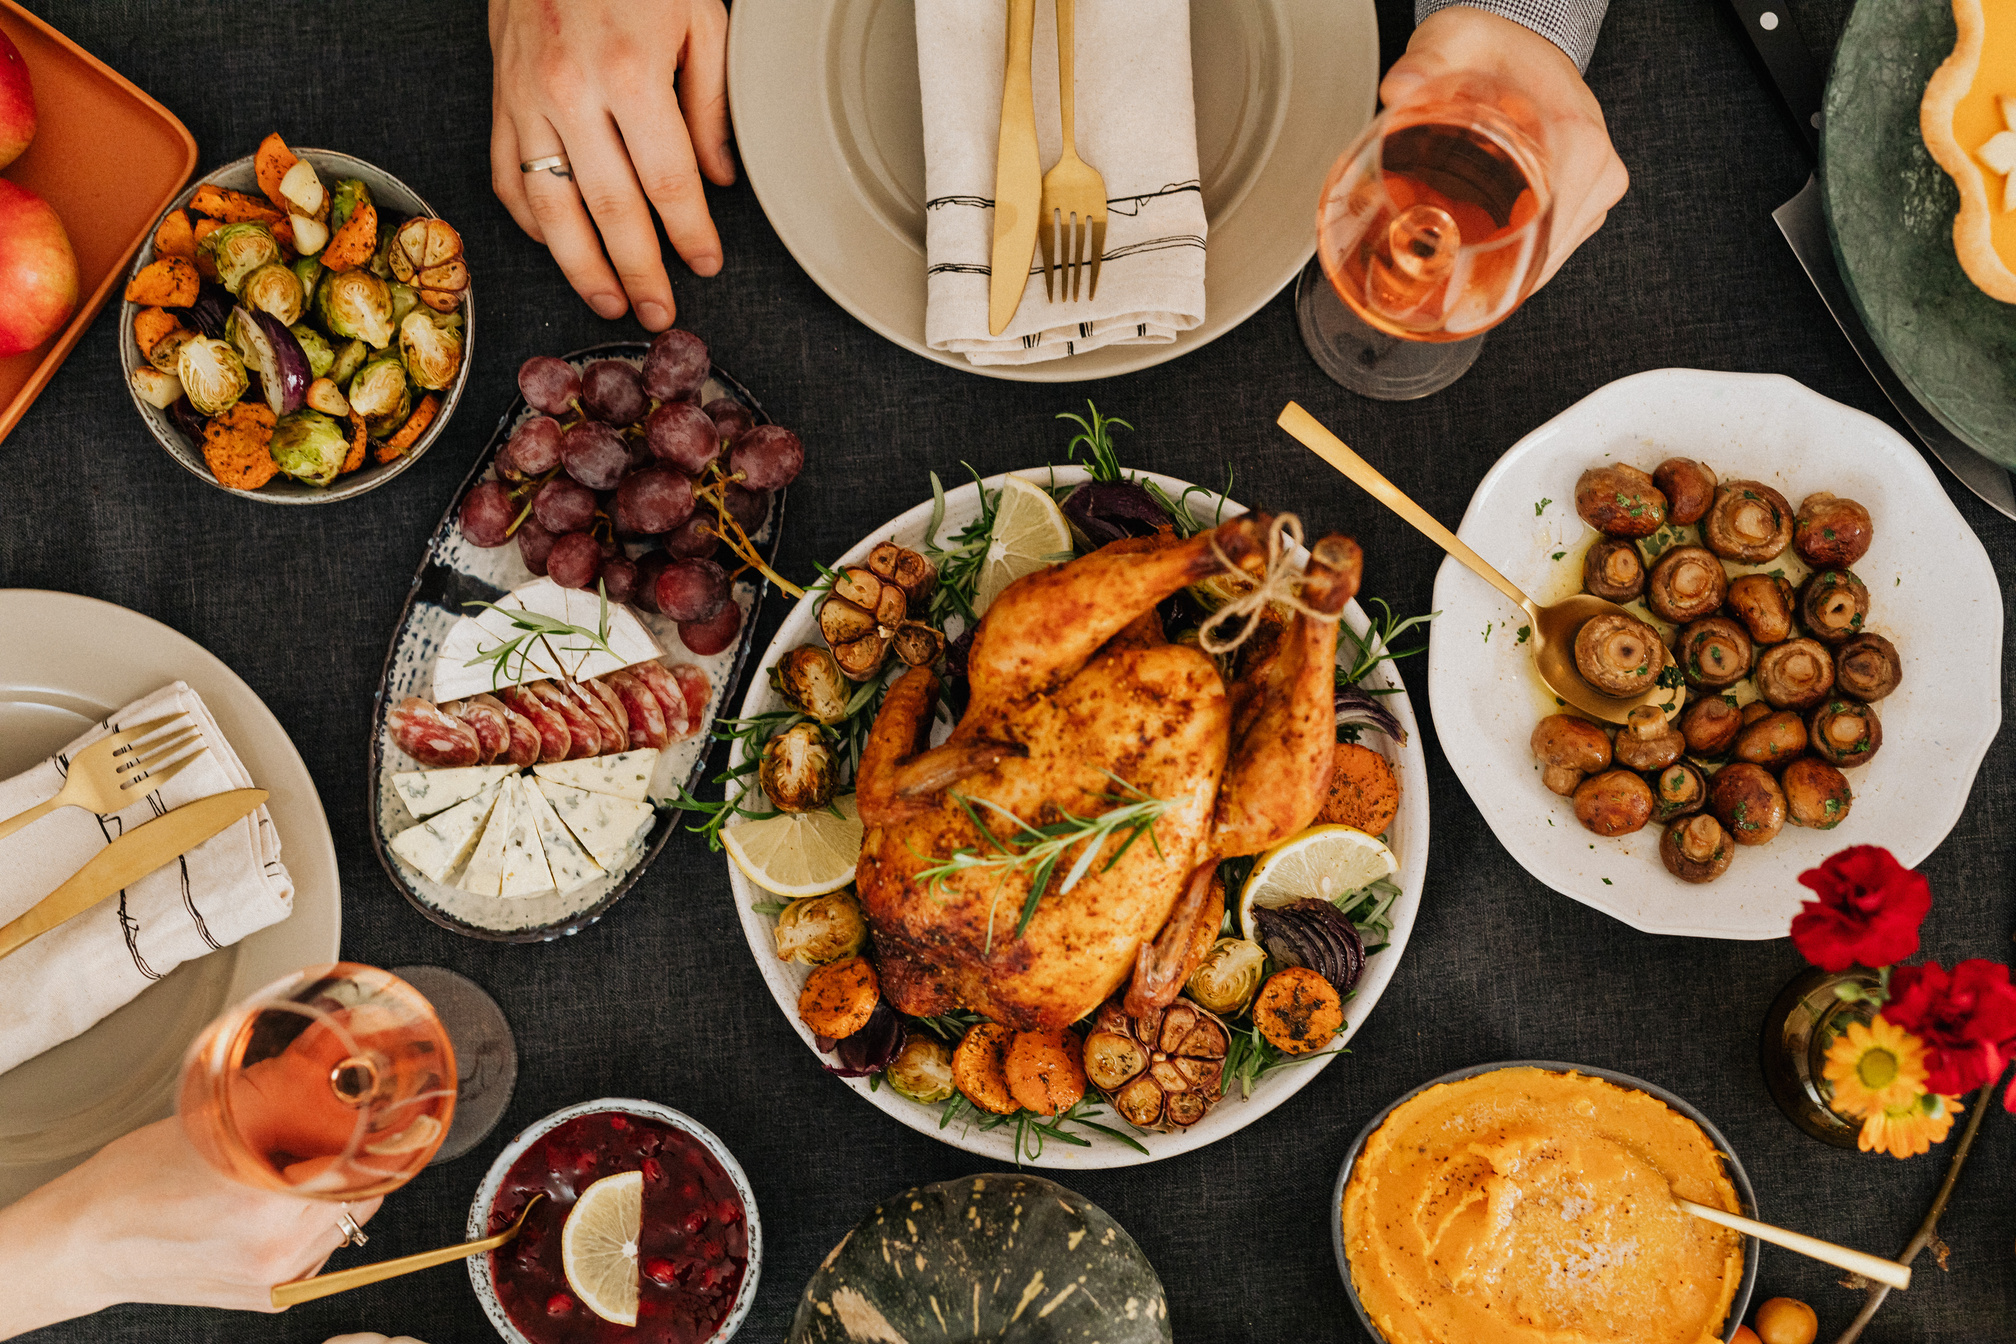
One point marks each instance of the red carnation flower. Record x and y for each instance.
(1967, 1020)
(1869, 910)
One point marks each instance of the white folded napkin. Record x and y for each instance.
(1136, 124)
(231, 885)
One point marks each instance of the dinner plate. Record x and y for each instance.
(86, 660)
(829, 127)
(1931, 591)
(1408, 837)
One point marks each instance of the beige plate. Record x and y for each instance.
(87, 659)
(830, 132)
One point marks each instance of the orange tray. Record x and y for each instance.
(109, 158)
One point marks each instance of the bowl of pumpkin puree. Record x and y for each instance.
(1519, 1202)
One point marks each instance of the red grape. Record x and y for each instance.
(676, 365)
(487, 512)
(564, 506)
(575, 561)
(692, 590)
(749, 508)
(649, 566)
(610, 392)
(653, 500)
(705, 637)
(534, 448)
(730, 416)
(767, 457)
(535, 543)
(695, 538)
(619, 578)
(594, 454)
(684, 435)
(549, 384)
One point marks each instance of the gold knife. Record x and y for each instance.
(1018, 174)
(128, 859)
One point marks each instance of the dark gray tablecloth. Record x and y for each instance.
(661, 999)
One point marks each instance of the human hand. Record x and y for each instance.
(594, 80)
(147, 1220)
(1584, 171)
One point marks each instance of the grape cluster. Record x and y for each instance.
(624, 478)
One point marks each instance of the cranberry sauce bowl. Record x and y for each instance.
(698, 1252)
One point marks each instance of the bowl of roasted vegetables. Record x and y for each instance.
(299, 328)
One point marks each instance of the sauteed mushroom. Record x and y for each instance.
(1748, 803)
(1648, 741)
(1686, 584)
(1846, 733)
(1613, 571)
(1831, 532)
(1681, 790)
(1796, 674)
(1714, 653)
(1614, 803)
(1816, 794)
(1749, 521)
(1763, 602)
(1833, 604)
(1867, 667)
(1619, 655)
(1696, 849)
(1772, 740)
(1569, 748)
(1755, 710)
(1689, 488)
(1620, 501)
(1710, 725)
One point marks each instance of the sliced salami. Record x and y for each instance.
(436, 740)
(647, 716)
(523, 748)
(614, 704)
(493, 732)
(556, 743)
(587, 737)
(659, 680)
(615, 737)
(693, 684)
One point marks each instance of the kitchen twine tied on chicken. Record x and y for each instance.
(1279, 582)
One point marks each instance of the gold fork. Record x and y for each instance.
(1074, 194)
(109, 774)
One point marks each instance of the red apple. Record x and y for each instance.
(17, 103)
(38, 271)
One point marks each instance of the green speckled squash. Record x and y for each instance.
(1016, 1259)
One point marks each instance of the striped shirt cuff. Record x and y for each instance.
(1571, 25)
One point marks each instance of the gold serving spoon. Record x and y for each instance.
(343, 1280)
(1554, 627)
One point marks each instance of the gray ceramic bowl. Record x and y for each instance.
(390, 195)
(493, 1181)
(1739, 1306)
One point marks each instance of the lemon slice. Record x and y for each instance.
(1323, 862)
(1029, 533)
(598, 1246)
(798, 853)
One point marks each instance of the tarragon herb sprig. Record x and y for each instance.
(535, 629)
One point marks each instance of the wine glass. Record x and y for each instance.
(1431, 229)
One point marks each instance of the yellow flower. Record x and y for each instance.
(1876, 1068)
(1910, 1129)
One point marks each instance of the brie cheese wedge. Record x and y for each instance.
(572, 868)
(437, 847)
(426, 792)
(525, 870)
(624, 775)
(540, 657)
(604, 825)
(485, 874)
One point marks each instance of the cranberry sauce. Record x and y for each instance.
(691, 1254)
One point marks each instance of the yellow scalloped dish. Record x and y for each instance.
(1968, 119)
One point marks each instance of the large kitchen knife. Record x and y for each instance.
(1789, 61)
(1018, 174)
(128, 859)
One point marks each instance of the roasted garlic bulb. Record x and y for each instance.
(1163, 1071)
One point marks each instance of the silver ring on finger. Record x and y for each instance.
(353, 1235)
(555, 164)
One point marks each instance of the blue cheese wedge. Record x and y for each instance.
(525, 869)
(485, 873)
(626, 774)
(604, 825)
(571, 865)
(555, 656)
(437, 847)
(426, 792)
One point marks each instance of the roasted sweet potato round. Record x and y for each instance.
(1045, 1071)
(1298, 1011)
(839, 998)
(980, 1068)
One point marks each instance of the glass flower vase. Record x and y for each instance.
(1803, 1022)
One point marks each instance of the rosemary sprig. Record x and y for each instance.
(960, 560)
(1032, 1131)
(1249, 1057)
(537, 629)
(1376, 645)
(1102, 459)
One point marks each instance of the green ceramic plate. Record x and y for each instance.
(1890, 212)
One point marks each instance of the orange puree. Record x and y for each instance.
(1520, 1206)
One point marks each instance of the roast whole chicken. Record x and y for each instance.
(1073, 687)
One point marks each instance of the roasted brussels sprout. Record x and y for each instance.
(1796, 674)
(309, 446)
(1749, 522)
(433, 353)
(1689, 487)
(213, 377)
(427, 254)
(1680, 790)
(1613, 570)
(1620, 501)
(1619, 655)
(1845, 733)
(320, 357)
(1831, 532)
(1568, 748)
(350, 357)
(309, 272)
(1613, 803)
(859, 619)
(356, 304)
(350, 193)
(166, 354)
(379, 393)
(810, 678)
(275, 289)
(1710, 725)
(1229, 976)
(1867, 667)
(1748, 803)
(1648, 741)
(1714, 652)
(1686, 584)
(1833, 605)
(237, 250)
(404, 300)
(922, 1069)
(1816, 794)
(821, 929)
(799, 771)
(1696, 849)
(906, 569)
(1763, 602)
(1772, 740)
